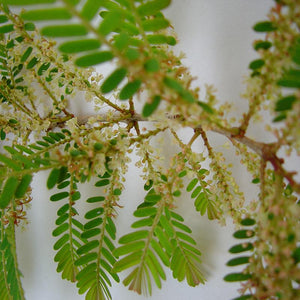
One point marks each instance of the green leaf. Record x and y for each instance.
(87, 247)
(176, 86)
(183, 236)
(64, 30)
(102, 182)
(121, 40)
(90, 233)
(262, 45)
(153, 7)
(113, 80)
(2, 134)
(160, 252)
(59, 196)
(79, 46)
(149, 108)
(238, 261)
(60, 229)
(3, 19)
(23, 186)
(157, 39)
(155, 24)
(10, 163)
(53, 178)
(152, 65)
(7, 28)
(86, 259)
(132, 54)
(181, 226)
(176, 216)
(61, 242)
(248, 222)
(153, 198)
(29, 26)
(142, 223)
(95, 199)
(196, 192)
(233, 277)
(145, 212)
(130, 89)
(127, 262)
(26, 54)
(166, 226)
(94, 213)
(90, 9)
(61, 219)
(133, 236)
(8, 191)
(112, 21)
(291, 78)
(163, 239)
(55, 13)
(285, 103)
(265, 26)
(191, 185)
(256, 64)
(31, 64)
(129, 248)
(244, 234)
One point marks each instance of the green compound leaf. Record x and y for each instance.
(55, 13)
(153, 7)
(113, 80)
(149, 108)
(130, 89)
(64, 30)
(8, 191)
(94, 59)
(79, 46)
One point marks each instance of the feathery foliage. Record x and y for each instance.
(48, 52)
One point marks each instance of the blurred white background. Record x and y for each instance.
(216, 36)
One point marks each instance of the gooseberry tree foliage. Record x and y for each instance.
(44, 65)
